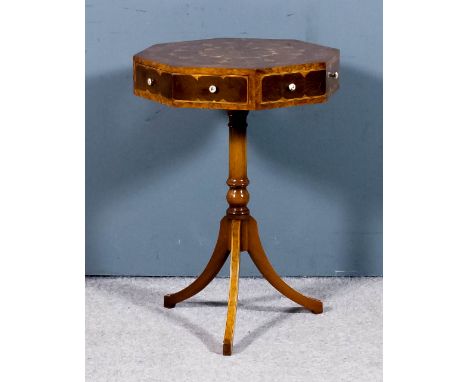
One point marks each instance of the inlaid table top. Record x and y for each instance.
(236, 74)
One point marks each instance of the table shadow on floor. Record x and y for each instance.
(152, 300)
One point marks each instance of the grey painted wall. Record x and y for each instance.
(155, 176)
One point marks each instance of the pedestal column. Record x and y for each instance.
(237, 195)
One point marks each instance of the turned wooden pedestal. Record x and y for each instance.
(238, 232)
(237, 75)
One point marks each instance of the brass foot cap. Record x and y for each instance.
(167, 303)
(317, 309)
(227, 349)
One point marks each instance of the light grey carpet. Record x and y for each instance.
(131, 337)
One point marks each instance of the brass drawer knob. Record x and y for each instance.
(212, 89)
(333, 75)
(292, 87)
(150, 81)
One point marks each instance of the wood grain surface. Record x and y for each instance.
(233, 288)
(249, 74)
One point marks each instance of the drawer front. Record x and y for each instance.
(151, 80)
(291, 86)
(231, 89)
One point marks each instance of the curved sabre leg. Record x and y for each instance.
(261, 261)
(217, 260)
(233, 288)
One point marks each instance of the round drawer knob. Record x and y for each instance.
(150, 81)
(333, 75)
(212, 89)
(292, 87)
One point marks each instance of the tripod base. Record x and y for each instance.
(237, 235)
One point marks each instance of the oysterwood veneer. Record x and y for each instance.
(237, 75)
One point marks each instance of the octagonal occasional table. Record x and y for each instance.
(237, 75)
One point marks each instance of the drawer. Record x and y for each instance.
(209, 88)
(293, 85)
(151, 80)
